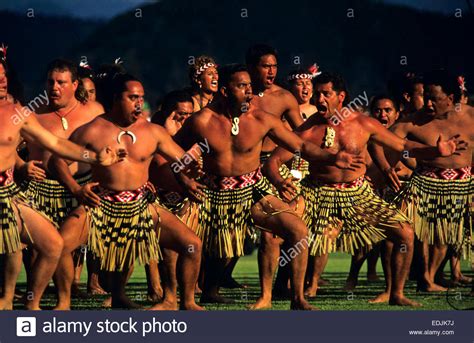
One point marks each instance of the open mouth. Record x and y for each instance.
(384, 121)
(270, 80)
(322, 108)
(214, 83)
(305, 93)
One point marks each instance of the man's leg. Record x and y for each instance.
(155, 292)
(74, 232)
(357, 261)
(372, 260)
(402, 254)
(11, 271)
(214, 268)
(227, 280)
(169, 278)
(437, 254)
(178, 237)
(93, 277)
(48, 243)
(386, 249)
(293, 230)
(268, 254)
(319, 263)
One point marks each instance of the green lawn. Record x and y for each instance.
(330, 297)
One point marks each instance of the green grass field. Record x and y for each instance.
(330, 297)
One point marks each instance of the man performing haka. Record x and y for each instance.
(261, 60)
(342, 211)
(438, 194)
(63, 115)
(126, 223)
(237, 195)
(19, 222)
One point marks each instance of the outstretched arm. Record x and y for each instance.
(388, 139)
(309, 151)
(32, 130)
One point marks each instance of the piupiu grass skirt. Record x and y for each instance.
(224, 216)
(440, 209)
(183, 207)
(10, 233)
(122, 230)
(345, 216)
(52, 198)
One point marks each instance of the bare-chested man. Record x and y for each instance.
(63, 114)
(386, 110)
(342, 211)
(236, 195)
(261, 61)
(126, 223)
(20, 223)
(437, 196)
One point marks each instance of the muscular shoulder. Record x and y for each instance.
(90, 130)
(202, 117)
(93, 108)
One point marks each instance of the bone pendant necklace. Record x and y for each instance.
(64, 122)
(235, 126)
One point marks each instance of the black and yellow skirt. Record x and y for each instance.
(224, 216)
(52, 198)
(345, 216)
(9, 230)
(439, 208)
(182, 207)
(122, 231)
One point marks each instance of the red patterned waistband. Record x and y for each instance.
(341, 185)
(6, 177)
(445, 174)
(123, 196)
(233, 182)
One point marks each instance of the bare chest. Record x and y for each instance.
(139, 144)
(352, 138)
(221, 139)
(9, 132)
(62, 126)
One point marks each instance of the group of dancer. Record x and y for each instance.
(233, 158)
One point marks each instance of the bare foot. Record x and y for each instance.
(403, 301)
(107, 303)
(164, 306)
(215, 299)
(302, 305)
(261, 304)
(433, 288)
(154, 297)
(62, 308)
(96, 290)
(350, 285)
(373, 277)
(191, 307)
(5, 305)
(463, 280)
(310, 292)
(381, 298)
